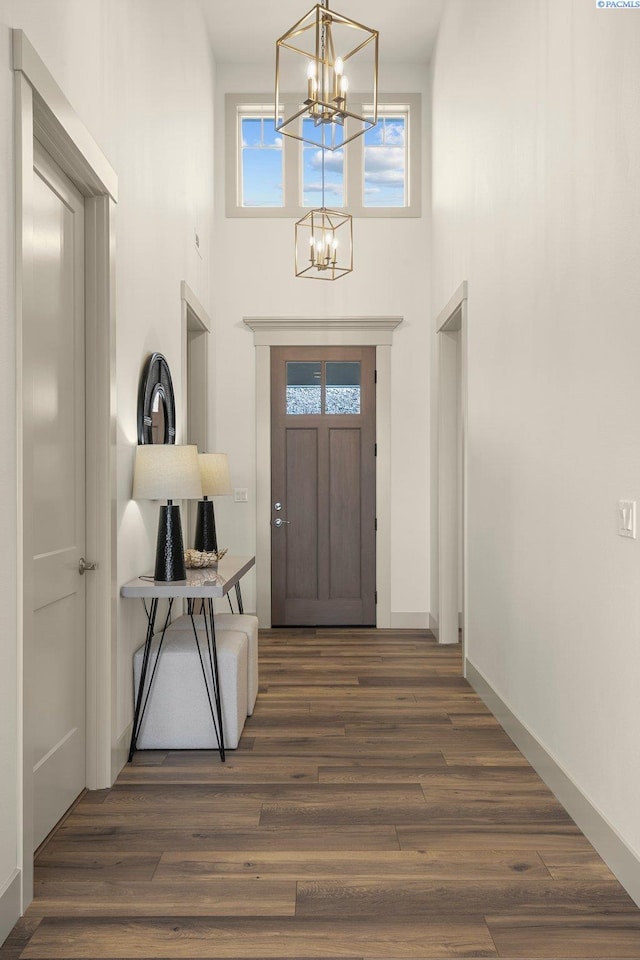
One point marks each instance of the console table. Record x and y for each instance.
(205, 585)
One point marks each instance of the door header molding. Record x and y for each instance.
(450, 317)
(322, 331)
(60, 129)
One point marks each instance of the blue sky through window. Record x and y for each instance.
(262, 165)
(312, 172)
(262, 173)
(385, 163)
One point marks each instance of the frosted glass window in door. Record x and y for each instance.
(304, 387)
(342, 391)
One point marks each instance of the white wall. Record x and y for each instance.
(537, 204)
(254, 276)
(140, 76)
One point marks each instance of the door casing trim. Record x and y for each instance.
(451, 345)
(42, 111)
(195, 325)
(326, 332)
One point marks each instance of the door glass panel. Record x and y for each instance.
(304, 388)
(342, 387)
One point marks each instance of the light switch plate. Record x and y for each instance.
(627, 518)
(240, 495)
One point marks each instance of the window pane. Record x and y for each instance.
(251, 131)
(385, 177)
(270, 136)
(261, 178)
(304, 389)
(342, 394)
(312, 172)
(262, 159)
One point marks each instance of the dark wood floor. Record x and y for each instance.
(374, 810)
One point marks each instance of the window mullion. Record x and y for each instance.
(292, 170)
(354, 177)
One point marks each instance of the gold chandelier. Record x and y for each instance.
(324, 243)
(318, 57)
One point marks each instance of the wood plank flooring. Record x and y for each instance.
(374, 810)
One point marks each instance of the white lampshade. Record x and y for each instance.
(214, 473)
(166, 471)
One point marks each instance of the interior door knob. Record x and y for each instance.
(85, 565)
(278, 522)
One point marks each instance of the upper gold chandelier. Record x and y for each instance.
(320, 58)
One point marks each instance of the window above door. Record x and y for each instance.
(271, 175)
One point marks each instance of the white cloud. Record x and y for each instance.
(394, 134)
(331, 191)
(333, 162)
(276, 145)
(384, 166)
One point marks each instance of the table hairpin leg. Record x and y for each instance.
(239, 598)
(209, 625)
(141, 697)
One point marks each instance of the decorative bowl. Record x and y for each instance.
(198, 559)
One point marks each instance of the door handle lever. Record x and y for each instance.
(279, 521)
(85, 565)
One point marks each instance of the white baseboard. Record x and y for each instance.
(9, 905)
(618, 856)
(410, 621)
(120, 752)
(433, 625)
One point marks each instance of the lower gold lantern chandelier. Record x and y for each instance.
(324, 243)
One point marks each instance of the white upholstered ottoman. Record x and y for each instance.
(178, 714)
(225, 622)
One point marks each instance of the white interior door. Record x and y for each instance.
(55, 365)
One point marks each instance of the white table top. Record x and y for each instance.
(210, 582)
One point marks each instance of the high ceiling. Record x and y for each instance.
(245, 31)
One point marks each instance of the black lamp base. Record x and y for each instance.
(206, 538)
(170, 550)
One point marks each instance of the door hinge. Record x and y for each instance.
(375, 597)
(375, 524)
(375, 376)
(375, 449)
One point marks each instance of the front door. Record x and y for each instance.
(323, 486)
(54, 366)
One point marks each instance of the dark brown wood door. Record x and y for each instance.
(323, 477)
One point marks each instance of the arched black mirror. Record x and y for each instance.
(156, 403)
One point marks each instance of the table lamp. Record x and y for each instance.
(216, 482)
(167, 471)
